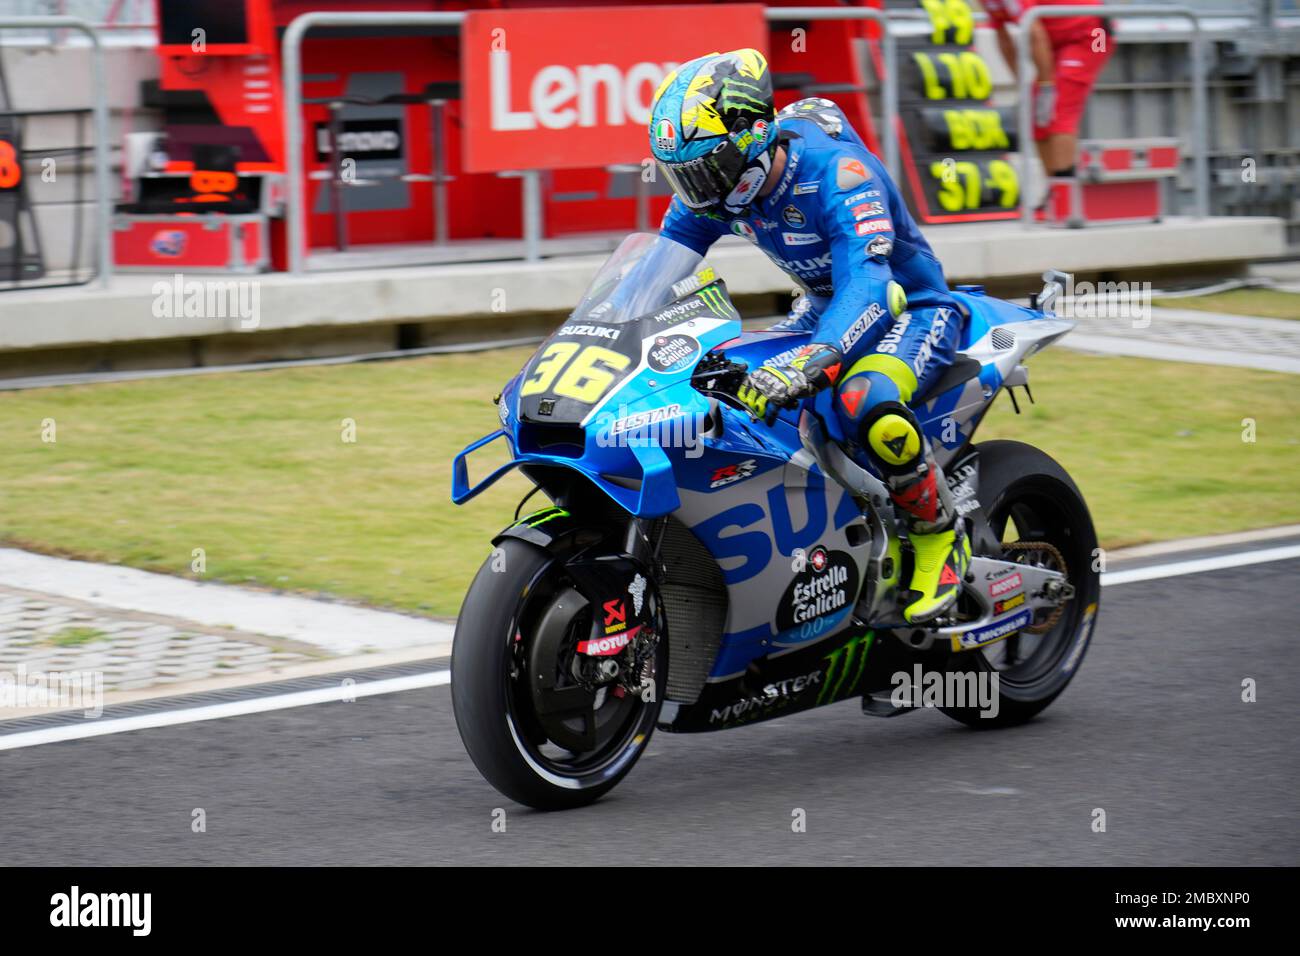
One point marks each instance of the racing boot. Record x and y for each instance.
(918, 489)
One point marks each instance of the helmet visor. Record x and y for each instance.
(704, 182)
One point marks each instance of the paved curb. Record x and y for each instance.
(335, 628)
(1207, 542)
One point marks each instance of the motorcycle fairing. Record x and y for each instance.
(638, 476)
(853, 662)
(792, 549)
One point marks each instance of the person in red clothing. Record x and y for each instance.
(1068, 54)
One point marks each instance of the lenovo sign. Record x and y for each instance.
(567, 88)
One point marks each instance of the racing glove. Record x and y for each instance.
(1044, 104)
(769, 388)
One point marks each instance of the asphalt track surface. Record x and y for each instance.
(1152, 730)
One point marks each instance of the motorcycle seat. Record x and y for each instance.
(963, 369)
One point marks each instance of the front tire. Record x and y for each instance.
(495, 705)
(1029, 498)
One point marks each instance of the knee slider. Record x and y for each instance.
(893, 435)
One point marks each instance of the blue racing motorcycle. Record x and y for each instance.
(698, 570)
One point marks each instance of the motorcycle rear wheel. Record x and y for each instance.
(1024, 489)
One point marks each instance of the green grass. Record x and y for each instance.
(1268, 303)
(1157, 447)
(76, 636)
(252, 467)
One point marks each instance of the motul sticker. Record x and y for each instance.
(873, 225)
(607, 646)
(1009, 583)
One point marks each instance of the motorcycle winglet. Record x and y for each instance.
(461, 491)
(652, 495)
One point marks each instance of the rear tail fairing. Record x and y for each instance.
(997, 337)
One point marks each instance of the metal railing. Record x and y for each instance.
(888, 50)
(1024, 83)
(293, 86)
(296, 231)
(99, 107)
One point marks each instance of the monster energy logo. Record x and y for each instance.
(714, 299)
(851, 658)
(741, 99)
(541, 517)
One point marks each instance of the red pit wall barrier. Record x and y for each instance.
(481, 204)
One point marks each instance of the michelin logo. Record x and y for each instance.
(991, 632)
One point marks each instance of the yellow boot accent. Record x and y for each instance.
(941, 562)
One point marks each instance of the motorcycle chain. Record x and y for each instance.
(1056, 562)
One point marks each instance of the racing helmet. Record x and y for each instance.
(713, 131)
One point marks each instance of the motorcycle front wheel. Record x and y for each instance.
(536, 734)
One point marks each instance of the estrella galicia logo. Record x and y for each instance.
(825, 586)
(793, 216)
(672, 353)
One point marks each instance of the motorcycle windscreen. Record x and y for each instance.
(600, 344)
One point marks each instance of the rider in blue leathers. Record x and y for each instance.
(804, 188)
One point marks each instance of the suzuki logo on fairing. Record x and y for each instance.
(560, 97)
(749, 531)
(595, 331)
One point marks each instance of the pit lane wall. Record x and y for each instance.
(365, 309)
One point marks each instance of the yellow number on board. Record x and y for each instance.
(585, 380)
(585, 377)
(555, 357)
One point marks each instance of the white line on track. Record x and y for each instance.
(1198, 565)
(392, 685)
(234, 708)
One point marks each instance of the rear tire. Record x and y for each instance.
(1020, 484)
(492, 705)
